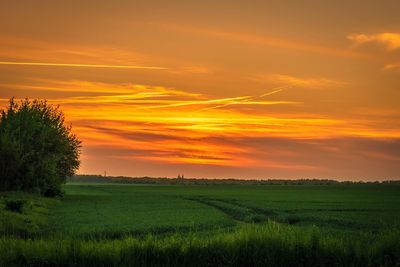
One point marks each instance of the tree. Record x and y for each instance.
(37, 150)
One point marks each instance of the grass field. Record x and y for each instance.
(220, 225)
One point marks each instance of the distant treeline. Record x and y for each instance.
(204, 181)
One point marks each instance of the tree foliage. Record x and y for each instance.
(37, 150)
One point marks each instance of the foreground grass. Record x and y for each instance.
(271, 244)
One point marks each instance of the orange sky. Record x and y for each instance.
(218, 89)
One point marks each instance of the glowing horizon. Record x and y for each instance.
(168, 92)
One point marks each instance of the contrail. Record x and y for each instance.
(278, 89)
(81, 65)
(197, 102)
(248, 98)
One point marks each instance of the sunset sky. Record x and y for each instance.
(217, 89)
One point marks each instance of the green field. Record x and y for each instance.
(215, 225)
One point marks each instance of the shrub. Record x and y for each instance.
(37, 150)
(15, 205)
(54, 191)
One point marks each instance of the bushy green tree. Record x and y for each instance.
(37, 150)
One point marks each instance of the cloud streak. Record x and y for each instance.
(74, 65)
(392, 67)
(293, 81)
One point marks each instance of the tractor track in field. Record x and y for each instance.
(237, 211)
(242, 213)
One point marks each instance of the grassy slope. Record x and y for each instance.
(32, 221)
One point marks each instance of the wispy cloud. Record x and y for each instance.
(392, 67)
(143, 96)
(101, 90)
(33, 52)
(36, 50)
(384, 45)
(288, 80)
(76, 65)
(391, 41)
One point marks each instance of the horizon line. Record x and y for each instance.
(242, 179)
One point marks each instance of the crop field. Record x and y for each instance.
(104, 224)
(119, 209)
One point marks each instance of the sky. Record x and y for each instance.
(216, 89)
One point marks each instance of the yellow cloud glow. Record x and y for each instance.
(391, 41)
(287, 80)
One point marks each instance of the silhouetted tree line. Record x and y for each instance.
(197, 181)
(37, 150)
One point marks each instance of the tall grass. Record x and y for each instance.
(271, 244)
